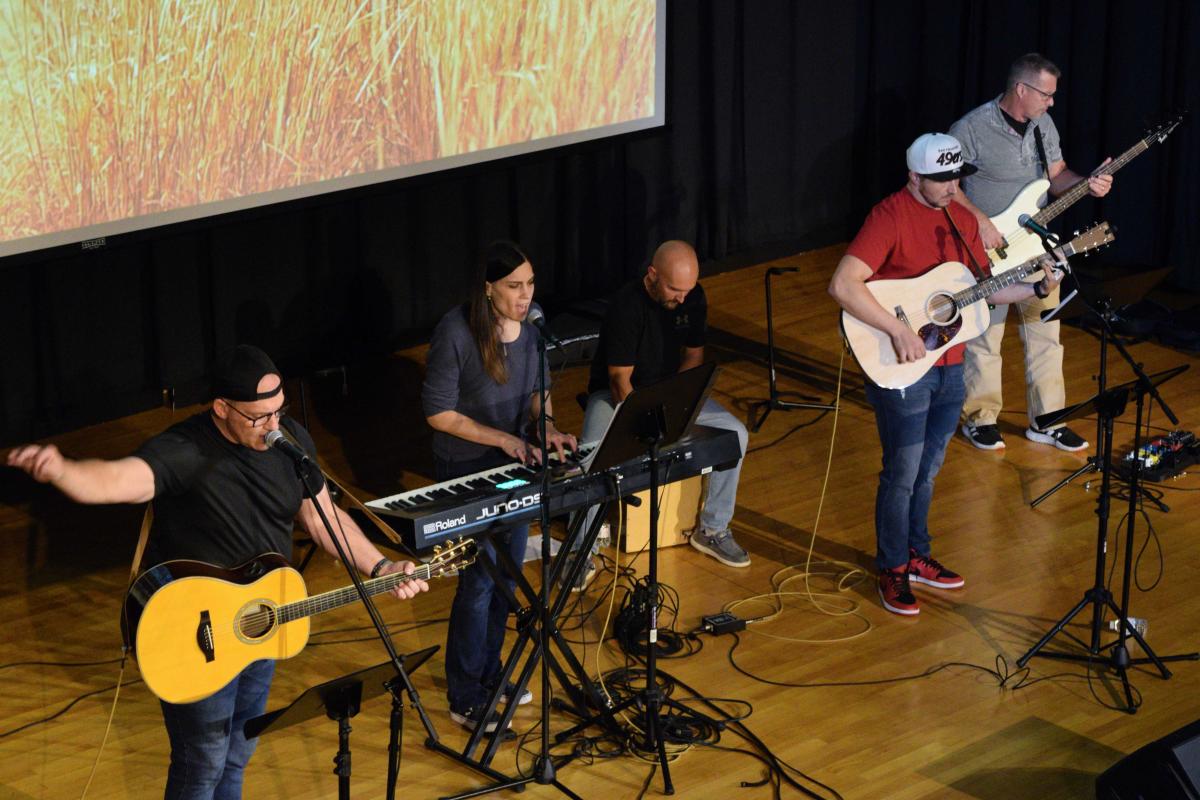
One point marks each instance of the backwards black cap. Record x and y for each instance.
(238, 371)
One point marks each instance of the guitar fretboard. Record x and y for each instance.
(328, 601)
(1069, 197)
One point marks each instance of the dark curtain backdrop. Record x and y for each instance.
(786, 121)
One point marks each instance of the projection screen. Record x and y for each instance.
(126, 114)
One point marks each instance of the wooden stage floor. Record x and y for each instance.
(931, 707)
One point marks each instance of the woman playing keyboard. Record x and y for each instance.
(480, 397)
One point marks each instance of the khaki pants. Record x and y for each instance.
(1044, 390)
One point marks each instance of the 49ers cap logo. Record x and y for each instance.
(938, 156)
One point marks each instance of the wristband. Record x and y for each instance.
(1037, 290)
(375, 569)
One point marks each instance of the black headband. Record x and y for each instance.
(238, 372)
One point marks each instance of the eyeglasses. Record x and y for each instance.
(258, 422)
(1047, 95)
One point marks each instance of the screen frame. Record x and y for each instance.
(94, 237)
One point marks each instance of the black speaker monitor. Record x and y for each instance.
(1168, 769)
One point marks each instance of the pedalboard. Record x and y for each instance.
(1162, 457)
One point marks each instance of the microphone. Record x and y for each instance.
(1026, 221)
(539, 321)
(277, 440)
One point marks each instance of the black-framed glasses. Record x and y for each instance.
(258, 422)
(1047, 95)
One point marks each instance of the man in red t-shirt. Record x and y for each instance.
(906, 235)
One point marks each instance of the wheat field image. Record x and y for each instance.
(122, 108)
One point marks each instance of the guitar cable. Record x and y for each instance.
(834, 603)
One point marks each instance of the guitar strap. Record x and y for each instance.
(140, 551)
(1041, 150)
(976, 269)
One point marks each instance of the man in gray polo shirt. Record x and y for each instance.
(1000, 138)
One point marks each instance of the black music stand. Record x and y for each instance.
(775, 398)
(1109, 405)
(340, 699)
(656, 415)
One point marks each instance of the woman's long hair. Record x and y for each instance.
(498, 260)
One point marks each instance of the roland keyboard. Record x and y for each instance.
(510, 495)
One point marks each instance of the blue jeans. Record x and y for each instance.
(915, 427)
(721, 497)
(208, 751)
(480, 610)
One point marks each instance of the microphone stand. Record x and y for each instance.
(1093, 463)
(305, 467)
(774, 400)
(1099, 596)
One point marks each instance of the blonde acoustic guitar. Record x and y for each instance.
(943, 307)
(194, 626)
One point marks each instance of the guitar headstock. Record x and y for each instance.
(451, 556)
(1095, 236)
(1164, 130)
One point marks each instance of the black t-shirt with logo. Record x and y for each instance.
(218, 501)
(639, 332)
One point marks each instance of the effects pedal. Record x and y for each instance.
(717, 624)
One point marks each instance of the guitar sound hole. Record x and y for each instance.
(257, 621)
(942, 309)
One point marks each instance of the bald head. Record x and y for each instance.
(672, 273)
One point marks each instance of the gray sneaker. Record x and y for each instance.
(585, 575)
(721, 546)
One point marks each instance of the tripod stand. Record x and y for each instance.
(774, 398)
(655, 415)
(1110, 404)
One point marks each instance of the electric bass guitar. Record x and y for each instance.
(942, 307)
(195, 626)
(1022, 244)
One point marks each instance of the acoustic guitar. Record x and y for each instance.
(942, 307)
(194, 626)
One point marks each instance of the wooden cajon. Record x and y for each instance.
(678, 510)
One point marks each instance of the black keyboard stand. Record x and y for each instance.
(568, 671)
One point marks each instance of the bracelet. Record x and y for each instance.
(375, 569)
(1037, 290)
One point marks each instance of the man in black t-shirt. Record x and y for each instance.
(222, 495)
(654, 327)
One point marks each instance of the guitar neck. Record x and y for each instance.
(986, 288)
(320, 603)
(1073, 195)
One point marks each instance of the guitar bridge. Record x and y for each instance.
(204, 637)
(900, 315)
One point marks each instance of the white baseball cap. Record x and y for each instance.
(938, 157)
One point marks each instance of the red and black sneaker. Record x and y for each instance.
(896, 593)
(927, 570)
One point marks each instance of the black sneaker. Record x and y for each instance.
(1063, 438)
(470, 718)
(985, 437)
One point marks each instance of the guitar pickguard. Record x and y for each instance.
(935, 336)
